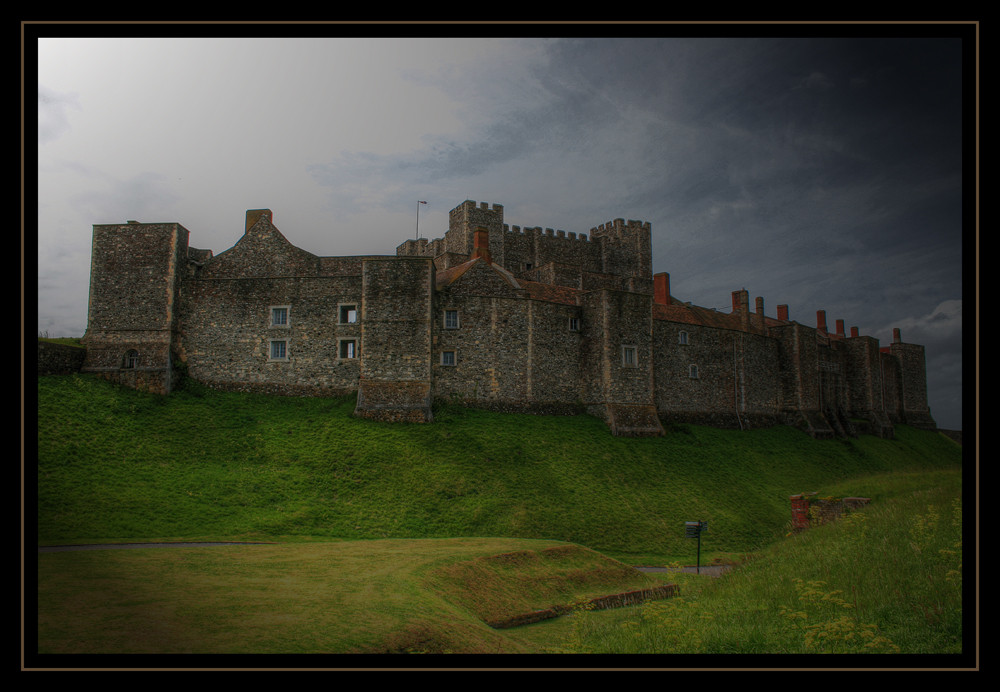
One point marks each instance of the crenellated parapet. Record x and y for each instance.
(616, 248)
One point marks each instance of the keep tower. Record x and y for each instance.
(134, 293)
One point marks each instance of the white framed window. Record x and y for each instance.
(131, 360)
(574, 324)
(629, 356)
(682, 338)
(693, 372)
(348, 313)
(347, 349)
(451, 319)
(279, 315)
(448, 358)
(277, 349)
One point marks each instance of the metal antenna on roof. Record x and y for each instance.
(419, 202)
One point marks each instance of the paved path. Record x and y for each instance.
(120, 546)
(708, 570)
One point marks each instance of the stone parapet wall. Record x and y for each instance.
(59, 359)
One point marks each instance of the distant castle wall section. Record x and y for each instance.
(726, 378)
(508, 353)
(396, 339)
(272, 334)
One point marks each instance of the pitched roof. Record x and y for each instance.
(551, 293)
(448, 276)
(693, 314)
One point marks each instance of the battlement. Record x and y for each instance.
(619, 227)
(548, 232)
(470, 206)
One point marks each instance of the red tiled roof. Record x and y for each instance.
(452, 274)
(551, 293)
(692, 314)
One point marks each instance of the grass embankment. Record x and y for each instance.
(383, 596)
(118, 465)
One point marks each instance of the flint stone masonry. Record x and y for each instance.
(59, 359)
(618, 600)
(510, 318)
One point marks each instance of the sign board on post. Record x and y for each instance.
(694, 529)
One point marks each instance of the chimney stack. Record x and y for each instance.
(254, 214)
(760, 305)
(895, 336)
(481, 244)
(821, 320)
(854, 331)
(840, 327)
(741, 305)
(783, 313)
(661, 288)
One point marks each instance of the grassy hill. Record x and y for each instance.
(387, 536)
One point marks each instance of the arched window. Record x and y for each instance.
(131, 360)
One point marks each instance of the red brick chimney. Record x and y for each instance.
(840, 327)
(759, 300)
(821, 320)
(741, 306)
(896, 339)
(783, 313)
(254, 214)
(661, 288)
(481, 245)
(854, 331)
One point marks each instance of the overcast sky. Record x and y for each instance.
(822, 173)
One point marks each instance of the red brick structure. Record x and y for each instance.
(503, 317)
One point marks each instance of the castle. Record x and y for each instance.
(496, 316)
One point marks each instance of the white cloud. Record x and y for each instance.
(53, 113)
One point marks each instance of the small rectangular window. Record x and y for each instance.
(279, 350)
(693, 372)
(574, 324)
(279, 316)
(683, 338)
(628, 355)
(451, 319)
(348, 314)
(348, 348)
(447, 358)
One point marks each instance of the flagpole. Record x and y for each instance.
(419, 202)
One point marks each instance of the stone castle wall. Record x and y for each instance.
(507, 318)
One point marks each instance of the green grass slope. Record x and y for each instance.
(120, 465)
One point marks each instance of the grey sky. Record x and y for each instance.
(820, 173)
